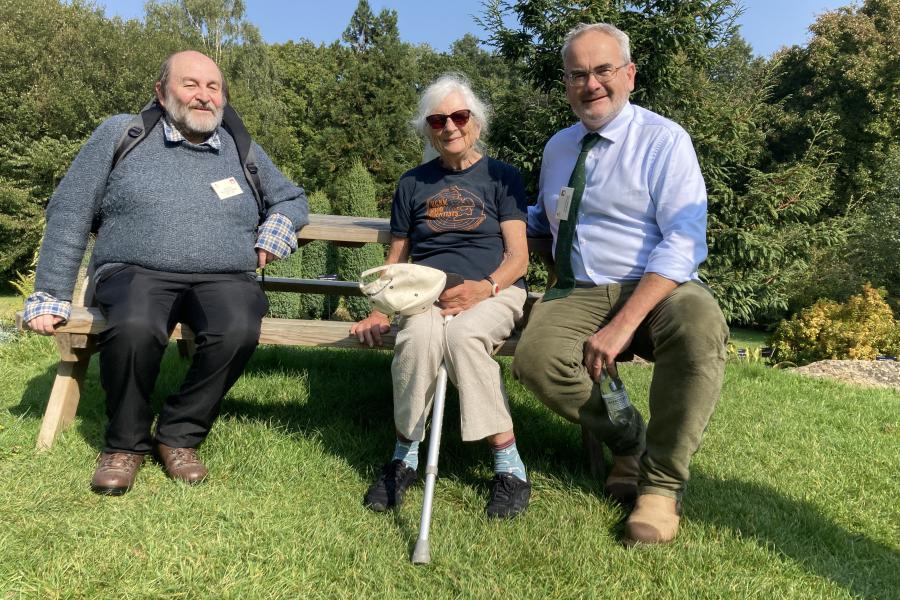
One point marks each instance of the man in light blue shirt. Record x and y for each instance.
(622, 195)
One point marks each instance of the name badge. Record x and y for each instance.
(562, 204)
(226, 188)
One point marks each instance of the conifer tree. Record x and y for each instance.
(355, 195)
(318, 260)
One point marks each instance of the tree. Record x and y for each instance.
(319, 258)
(355, 195)
(21, 225)
(848, 74)
(64, 67)
(366, 116)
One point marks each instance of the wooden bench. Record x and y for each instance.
(75, 339)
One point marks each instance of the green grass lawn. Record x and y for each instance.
(9, 304)
(747, 338)
(794, 495)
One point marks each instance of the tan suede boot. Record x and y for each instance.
(622, 483)
(654, 520)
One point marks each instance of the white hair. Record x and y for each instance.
(611, 30)
(435, 93)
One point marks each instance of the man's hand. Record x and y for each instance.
(369, 330)
(44, 324)
(264, 257)
(465, 295)
(602, 348)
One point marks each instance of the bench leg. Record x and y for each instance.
(594, 452)
(63, 400)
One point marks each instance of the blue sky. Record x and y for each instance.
(766, 24)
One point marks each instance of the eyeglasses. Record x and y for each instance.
(601, 74)
(439, 121)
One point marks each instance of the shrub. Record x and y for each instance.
(308, 262)
(860, 328)
(286, 305)
(21, 225)
(318, 259)
(355, 195)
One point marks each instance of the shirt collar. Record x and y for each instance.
(174, 136)
(614, 130)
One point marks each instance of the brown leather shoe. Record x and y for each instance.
(182, 464)
(115, 472)
(654, 520)
(622, 483)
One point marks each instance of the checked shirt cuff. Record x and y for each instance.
(42, 303)
(277, 235)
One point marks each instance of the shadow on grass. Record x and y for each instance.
(351, 413)
(796, 529)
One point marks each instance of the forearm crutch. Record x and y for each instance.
(421, 553)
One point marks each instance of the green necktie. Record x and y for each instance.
(565, 280)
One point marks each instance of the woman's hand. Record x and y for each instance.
(465, 295)
(369, 330)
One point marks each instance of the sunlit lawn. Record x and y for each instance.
(794, 495)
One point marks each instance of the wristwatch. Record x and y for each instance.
(495, 287)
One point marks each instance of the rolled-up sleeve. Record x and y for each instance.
(679, 192)
(42, 303)
(277, 235)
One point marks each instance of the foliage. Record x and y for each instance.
(364, 113)
(21, 226)
(319, 258)
(800, 153)
(847, 73)
(285, 305)
(870, 250)
(354, 194)
(860, 328)
(23, 283)
(875, 245)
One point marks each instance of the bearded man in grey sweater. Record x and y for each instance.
(179, 240)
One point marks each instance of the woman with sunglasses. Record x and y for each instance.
(463, 213)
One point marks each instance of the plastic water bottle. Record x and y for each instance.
(618, 406)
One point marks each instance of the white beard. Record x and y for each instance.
(191, 122)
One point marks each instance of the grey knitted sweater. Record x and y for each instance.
(158, 208)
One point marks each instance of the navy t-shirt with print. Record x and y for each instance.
(452, 218)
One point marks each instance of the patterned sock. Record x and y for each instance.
(408, 452)
(507, 460)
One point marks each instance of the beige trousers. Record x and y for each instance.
(465, 344)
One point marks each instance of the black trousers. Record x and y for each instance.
(142, 308)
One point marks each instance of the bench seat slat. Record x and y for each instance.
(281, 332)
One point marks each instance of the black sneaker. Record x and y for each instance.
(388, 490)
(509, 496)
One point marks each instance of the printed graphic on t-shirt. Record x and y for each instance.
(454, 209)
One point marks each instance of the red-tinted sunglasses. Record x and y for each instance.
(459, 118)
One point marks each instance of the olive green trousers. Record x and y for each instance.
(684, 336)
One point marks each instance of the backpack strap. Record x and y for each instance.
(234, 126)
(137, 130)
(133, 135)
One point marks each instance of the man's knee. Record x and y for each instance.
(691, 321)
(134, 331)
(242, 332)
(539, 367)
